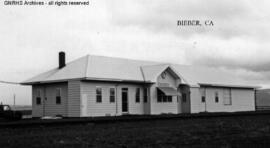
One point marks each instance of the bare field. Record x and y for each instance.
(240, 131)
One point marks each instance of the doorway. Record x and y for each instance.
(125, 100)
(184, 100)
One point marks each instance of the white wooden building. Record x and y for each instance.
(262, 99)
(105, 86)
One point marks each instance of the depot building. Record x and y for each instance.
(107, 86)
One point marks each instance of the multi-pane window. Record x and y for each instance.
(145, 95)
(169, 98)
(161, 97)
(112, 95)
(58, 96)
(184, 97)
(227, 98)
(38, 98)
(137, 95)
(98, 95)
(203, 99)
(216, 97)
(203, 94)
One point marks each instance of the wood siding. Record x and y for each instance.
(263, 99)
(107, 108)
(164, 107)
(37, 110)
(74, 94)
(169, 79)
(74, 91)
(195, 100)
(242, 100)
(48, 106)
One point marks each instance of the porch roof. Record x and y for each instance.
(169, 91)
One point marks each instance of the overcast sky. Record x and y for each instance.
(32, 36)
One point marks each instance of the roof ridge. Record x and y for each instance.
(123, 58)
(95, 67)
(161, 64)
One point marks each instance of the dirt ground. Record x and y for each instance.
(241, 131)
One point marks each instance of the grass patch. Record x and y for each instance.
(235, 131)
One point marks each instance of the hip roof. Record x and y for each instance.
(102, 68)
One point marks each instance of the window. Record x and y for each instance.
(164, 98)
(58, 96)
(161, 97)
(169, 98)
(137, 95)
(216, 97)
(203, 99)
(227, 98)
(98, 95)
(184, 97)
(203, 94)
(112, 95)
(163, 75)
(145, 95)
(38, 98)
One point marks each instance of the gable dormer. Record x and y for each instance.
(163, 75)
(168, 78)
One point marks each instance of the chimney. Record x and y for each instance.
(62, 59)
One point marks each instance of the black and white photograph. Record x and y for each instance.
(134, 73)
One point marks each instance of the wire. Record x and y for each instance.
(7, 82)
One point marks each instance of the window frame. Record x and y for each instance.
(169, 99)
(112, 96)
(159, 96)
(38, 97)
(98, 95)
(137, 95)
(162, 98)
(225, 97)
(184, 97)
(216, 97)
(145, 94)
(203, 95)
(203, 99)
(58, 98)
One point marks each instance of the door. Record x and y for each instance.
(179, 106)
(125, 100)
(184, 100)
(84, 105)
(44, 102)
(184, 103)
